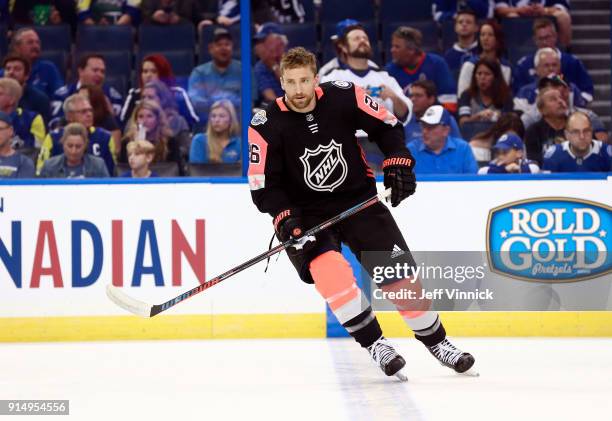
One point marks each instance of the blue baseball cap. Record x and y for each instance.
(508, 141)
(266, 29)
(343, 27)
(6, 118)
(436, 114)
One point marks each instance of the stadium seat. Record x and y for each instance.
(333, 11)
(515, 52)
(394, 10)
(53, 37)
(309, 10)
(59, 58)
(205, 36)
(215, 169)
(166, 38)
(119, 82)
(429, 29)
(518, 32)
(471, 129)
(105, 38)
(300, 35)
(182, 61)
(448, 35)
(3, 40)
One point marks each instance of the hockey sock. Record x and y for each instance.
(417, 313)
(335, 282)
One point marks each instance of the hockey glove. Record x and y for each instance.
(288, 225)
(399, 177)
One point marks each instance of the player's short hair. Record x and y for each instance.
(75, 129)
(16, 57)
(140, 146)
(541, 23)
(427, 85)
(84, 59)
(412, 36)
(71, 100)
(571, 117)
(12, 87)
(298, 57)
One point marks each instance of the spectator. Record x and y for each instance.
(556, 81)
(44, 75)
(32, 99)
(580, 152)
(547, 65)
(227, 12)
(219, 78)
(91, 70)
(423, 96)
(445, 10)
(550, 129)
(270, 44)
(157, 67)
(377, 83)
(170, 12)
(559, 9)
(490, 46)
(103, 116)
(437, 152)
(573, 70)
(339, 62)
(140, 156)
(466, 28)
(44, 12)
(74, 162)
(488, 96)
(221, 142)
(410, 64)
(29, 127)
(509, 157)
(78, 109)
(109, 12)
(288, 11)
(12, 163)
(482, 143)
(148, 122)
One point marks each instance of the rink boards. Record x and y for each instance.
(62, 242)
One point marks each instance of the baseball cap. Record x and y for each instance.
(436, 114)
(343, 27)
(6, 118)
(266, 29)
(508, 141)
(221, 33)
(552, 79)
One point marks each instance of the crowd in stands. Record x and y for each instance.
(441, 66)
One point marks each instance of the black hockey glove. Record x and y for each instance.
(399, 177)
(288, 225)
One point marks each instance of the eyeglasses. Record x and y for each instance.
(83, 111)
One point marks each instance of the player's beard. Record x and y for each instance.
(301, 103)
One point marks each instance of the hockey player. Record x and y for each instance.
(305, 165)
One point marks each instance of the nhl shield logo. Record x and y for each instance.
(325, 167)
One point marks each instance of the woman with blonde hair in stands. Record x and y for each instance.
(221, 142)
(148, 122)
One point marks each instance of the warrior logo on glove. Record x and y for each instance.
(324, 167)
(399, 177)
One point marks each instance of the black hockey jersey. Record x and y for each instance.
(312, 161)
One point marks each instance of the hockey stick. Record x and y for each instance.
(143, 309)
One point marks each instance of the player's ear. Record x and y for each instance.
(316, 80)
(282, 83)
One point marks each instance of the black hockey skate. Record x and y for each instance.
(454, 358)
(389, 361)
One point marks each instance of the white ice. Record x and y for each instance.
(520, 379)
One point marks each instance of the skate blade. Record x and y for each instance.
(401, 376)
(471, 372)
